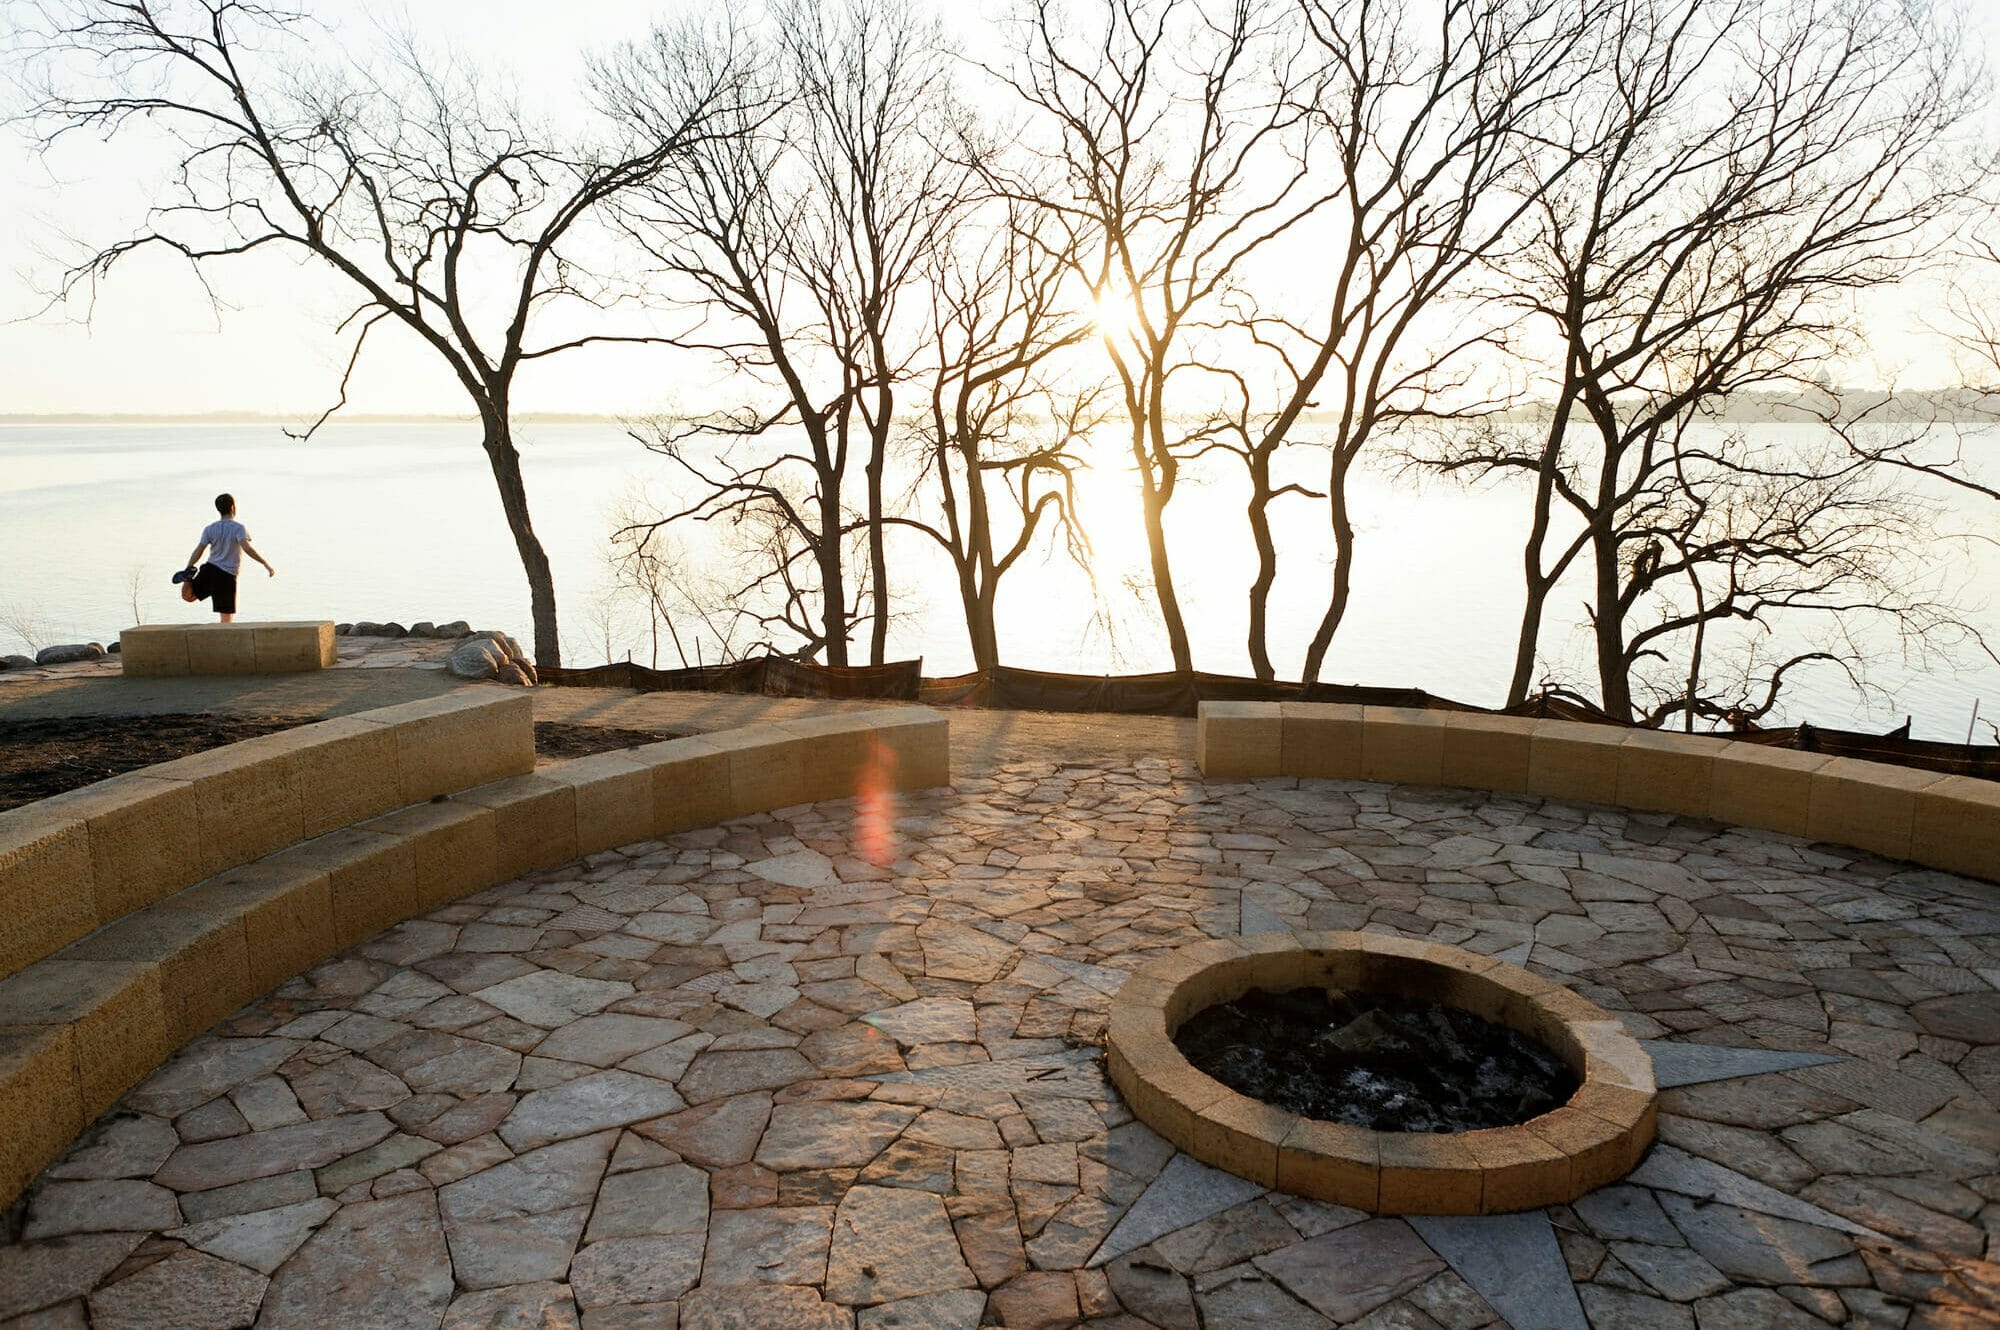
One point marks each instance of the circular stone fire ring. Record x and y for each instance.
(1595, 1138)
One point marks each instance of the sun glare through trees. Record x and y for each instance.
(912, 306)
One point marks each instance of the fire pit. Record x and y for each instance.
(1395, 1076)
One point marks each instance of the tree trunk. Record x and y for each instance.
(832, 582)
(1267, 567)
(985, 635)
(1529, 642)
(506, 463)
(1538, 583)
(1163, 578)
(1343, 568)
(1157, 469)
(1608, 626)
(878, 559)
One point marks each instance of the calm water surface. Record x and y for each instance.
(401, 521)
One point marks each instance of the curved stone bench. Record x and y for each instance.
(78, 861)
(172, 650)
(1945, 822)
(82, 1025)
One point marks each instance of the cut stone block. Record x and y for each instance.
(174, 649)
(204, 963)
(921, 741)
(220, 648)
(763, 774)
(347, 772)
(918, 739)
(1868, 805)
(157, 651)
(1518, 1170)
(1956, 827)
(145, 838)
(1484, 752)
(113, 1010)
(287, 914)
(247, 798)
(534, 822)
(1241, 1135)
(614, 799)
(47, 899)
(454, 845)
(1320, 740)
(1758, 786)
(1667, 773)
(471, 737)
(371, 879)
(287, 648)
(1239, 740)
(41, 1107)
(1331, 1161)
(1427, 1173)
(1574, 761)
(690, 783)
(833, 754)
(1402, 746)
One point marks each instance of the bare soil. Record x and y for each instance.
(42, 757)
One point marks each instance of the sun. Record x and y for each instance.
(1115, 314)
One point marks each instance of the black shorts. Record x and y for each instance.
(216, 587)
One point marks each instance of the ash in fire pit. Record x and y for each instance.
(1371, 1060)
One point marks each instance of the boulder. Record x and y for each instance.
(343, 630)
(481, 658)
(75, 651)
(423, 628)
(493, 656)
(392, 629)
(366, 629)
(456, 628)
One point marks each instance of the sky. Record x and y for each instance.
(152, 342)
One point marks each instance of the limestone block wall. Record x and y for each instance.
(83, 860)
(87, 1019)
(167, 650)
(1945, 822)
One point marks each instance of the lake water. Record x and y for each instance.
(401, 521)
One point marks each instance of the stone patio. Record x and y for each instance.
(794, 1072)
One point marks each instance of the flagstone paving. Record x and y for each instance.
(744, 1077)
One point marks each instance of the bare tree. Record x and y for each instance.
(1169, 137)
(1751, 558)
(1428, 123)
(794, 239)
(1972, 322)
(404, 177)
(1007, 405)
(1734, 172)
(135, 581)
(1350, 138)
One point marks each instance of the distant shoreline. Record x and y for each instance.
(298, 421)
(1944, 406)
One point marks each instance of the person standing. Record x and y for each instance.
(226, 541)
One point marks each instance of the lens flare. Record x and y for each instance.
(875, 827)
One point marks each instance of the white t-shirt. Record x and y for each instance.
(225, 544)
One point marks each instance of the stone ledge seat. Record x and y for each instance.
(174, 650)
(1951, 823)
(85, 859)
(82, 1025)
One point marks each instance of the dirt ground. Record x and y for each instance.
(45, 756)
(980, 739)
